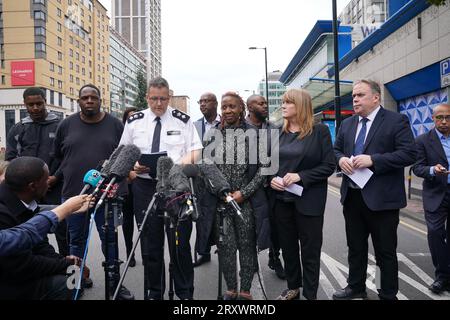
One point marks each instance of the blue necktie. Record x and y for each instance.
(156, 135)
(359, 143)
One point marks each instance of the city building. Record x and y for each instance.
(181, 103)
(409, 55)
(139, 22)
(276, 90)
(125, 62)
(57, 45)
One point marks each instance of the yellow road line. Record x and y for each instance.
(337, 193)
(412, 227)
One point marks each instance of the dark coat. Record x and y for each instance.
(39, 262)
(429, 153)
(390, 143)
(314, 167)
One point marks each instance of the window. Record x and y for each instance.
(71, 92)
(70, 52)
(70, 39)
(59, 27)
(59, 41)
(71, 65)
(83, 71)
(39, 15)
(60, 97)
(58, 12)
(39, 2)
(3, 80)
(39, 47)
(77, 56)
(52, 82)
(78, 80)
(52, 66)
(59, 84)
(59, 55)
(52, 97)
(83, 59)
(60, 70)
(77, 67)
(39, 31)
(10, 119)
(77, 44)
(71, 78)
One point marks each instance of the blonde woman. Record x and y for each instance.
(306, 159)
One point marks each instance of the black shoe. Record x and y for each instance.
(440, 286)
(275, 264)
(201, 260)
(124, 293)
(348, 294)
(87, 283)
(132, 263)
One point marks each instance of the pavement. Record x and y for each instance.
(414, 207)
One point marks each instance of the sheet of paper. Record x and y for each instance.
(293, 188)
(360, 176)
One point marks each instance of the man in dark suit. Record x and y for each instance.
(382, 141)
(433, 158)
(204, 225)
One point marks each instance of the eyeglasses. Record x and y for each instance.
(155, 99)
(440, 118)
(205, 101)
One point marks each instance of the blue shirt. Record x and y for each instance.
(27, 235)
(445, 142)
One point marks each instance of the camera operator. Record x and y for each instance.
(37, 273)
(161, 128)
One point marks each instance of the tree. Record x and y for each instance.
(141, 102)
(437, 2)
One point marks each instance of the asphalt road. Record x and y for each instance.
(415, 267)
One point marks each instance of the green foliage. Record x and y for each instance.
(141, 102)
(437, 2)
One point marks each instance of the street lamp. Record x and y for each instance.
(337, 92)
(265, 62)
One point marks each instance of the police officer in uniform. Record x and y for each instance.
(156, 129)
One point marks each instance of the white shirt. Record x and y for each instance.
(210, 125)
(178, 136)
(370, 118)
(30, 206)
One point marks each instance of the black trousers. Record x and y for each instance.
(439, 237)
(360, 222)
(294, 226)
(128, 220)
(152, 247)
(274, 250)
(46, 288)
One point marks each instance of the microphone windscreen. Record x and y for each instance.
(178, 180)
(125, 161)
(216, 180)
(106, 170)
(163, 167)
(190, 170)
(92, 177)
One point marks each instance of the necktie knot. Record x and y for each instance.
(157, 119)
(364, 120)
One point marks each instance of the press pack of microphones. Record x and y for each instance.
(172, 180)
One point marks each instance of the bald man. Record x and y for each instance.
(433, 159)
(258, 112)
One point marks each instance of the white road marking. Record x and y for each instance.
(326, 285)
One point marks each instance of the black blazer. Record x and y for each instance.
(390, 143)
(429, 153)
(314, 167)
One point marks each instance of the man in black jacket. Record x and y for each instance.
(33, 136)
(38, 273)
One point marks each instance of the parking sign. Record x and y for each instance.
(445, 73)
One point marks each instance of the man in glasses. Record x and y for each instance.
(156, 129)
(433, 158)
(208, 106)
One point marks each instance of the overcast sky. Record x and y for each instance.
(205, 42)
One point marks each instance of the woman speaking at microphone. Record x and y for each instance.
(306, 159)
(240, 230)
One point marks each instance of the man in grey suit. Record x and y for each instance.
(208, 106)
(433, 158)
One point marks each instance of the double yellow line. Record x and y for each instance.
(336, 192)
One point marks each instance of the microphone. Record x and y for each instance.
(91, 179)
(191, 171)
(163, 167)
(121, 168)
(219, 185)
(106, 168)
